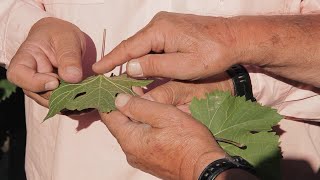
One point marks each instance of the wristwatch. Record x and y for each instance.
(241, 81)
(220, 165)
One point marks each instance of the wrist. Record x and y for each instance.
(254, 39)
(230, 167)
(204, 160)
(274, 40)
(196, 160)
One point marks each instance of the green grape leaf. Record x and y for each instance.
(97, 92)
(6, 89)
(245, 122)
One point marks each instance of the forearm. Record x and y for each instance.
(285, 45)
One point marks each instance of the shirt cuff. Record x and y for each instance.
(290, 98)
(15, 26)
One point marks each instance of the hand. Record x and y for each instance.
(52, 45)
(192, 47)
(181, 93)
(162, 140)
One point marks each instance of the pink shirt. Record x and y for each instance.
(64, 149)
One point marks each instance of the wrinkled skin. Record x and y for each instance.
(165, 140)
(191, 47)
(195, 47)
(181, 93)
(53, 50)
(162, 140)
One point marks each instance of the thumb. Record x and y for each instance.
(181, 66)
(68, 53)
(153, 113)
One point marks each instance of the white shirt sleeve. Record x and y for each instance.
(290, 98)
(16, 19)
(310, 6)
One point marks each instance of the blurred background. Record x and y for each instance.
(12, 135)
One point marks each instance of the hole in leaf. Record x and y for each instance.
(80, 94)
(116, 95)
(68, 112)
(243, 147)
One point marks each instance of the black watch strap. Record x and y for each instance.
(241, 81)
(220, 165)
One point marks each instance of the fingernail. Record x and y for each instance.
(74, 71)
(122, 100)
(51, 85)
(134, 68)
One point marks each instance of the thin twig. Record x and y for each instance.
(239, 145)
(103, 43)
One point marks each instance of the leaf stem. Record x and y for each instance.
(239, 145)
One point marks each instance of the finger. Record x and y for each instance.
(137, 90)
(117, 123)
(136, 46)
(147, 112)
(37, 98)
(69, 48)
(173, 92)
(173, 65)
(179, 93)
(43, 63)
(185, 108)
(22, 71)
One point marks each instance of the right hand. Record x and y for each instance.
(53, 49)
(193, 47)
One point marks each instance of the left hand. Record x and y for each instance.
(160, 139)
(53, 50)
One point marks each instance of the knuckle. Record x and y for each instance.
(68, 55)
(164, 94)
(125, 47)
(67, 45)
(27, 93)
(161, 14)
(161, 18)
(132, 161)
(10, 75)
(128, 146)
(162, 22)
(59, 39)
(155, 37)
